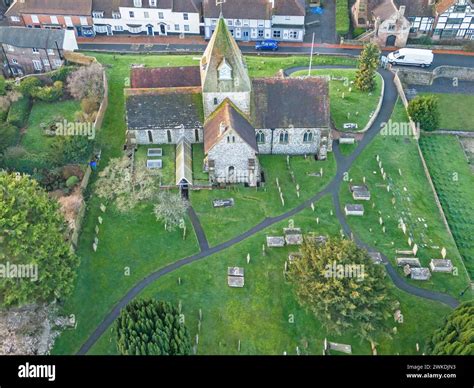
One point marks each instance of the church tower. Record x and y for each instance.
(224, 72)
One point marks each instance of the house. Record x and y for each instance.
(53, 14)
(455, 20)
(421, 14)
(247, 20)
(146, 17)
(387, 23)
(27, 50)
(237, 118)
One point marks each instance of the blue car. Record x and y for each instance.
(267, 45)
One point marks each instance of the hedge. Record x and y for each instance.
(19, 112)
(342, 17)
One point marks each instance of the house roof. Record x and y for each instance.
(229, 115)
(29, 37)
(164, 110)
(417, 7)
(290, 8)
(242, 9)
(384, 9)
(290, 102)
(166, 77)
(223, 46)
(443, 5)
(51, 7)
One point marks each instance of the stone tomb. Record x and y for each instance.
(316, 240)
(293, 236)
(360, 192)
(413, 262)
(275, 241)
(420, 273)
(354, 210)
(223, 202)
(235, 277)
(441, 265)
(376, 257)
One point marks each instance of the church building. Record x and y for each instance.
(236, 118)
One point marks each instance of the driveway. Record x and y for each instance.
(323, 26)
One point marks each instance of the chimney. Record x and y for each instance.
(272, 2)
(401, 11)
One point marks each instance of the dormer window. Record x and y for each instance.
(98, 14)
(225, 71)
(137, 3)
(152, 3)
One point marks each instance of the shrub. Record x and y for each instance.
(9, 135)
(49, 93)
(14, 152)
(87, 81)
(3, 86)
(89, 105)
(424, 111)
(72, 181)
(28, 86)
(19, 112)
(62, 73)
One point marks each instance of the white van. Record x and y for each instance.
(411, 57)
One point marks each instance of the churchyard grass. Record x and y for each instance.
(454, 182)
(456, 111)
(168, 172)
(414, 200)
(348, 105)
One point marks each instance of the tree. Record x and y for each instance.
(424, 111)
(170, 209)
(126, 188)
(339, 283)
(9, 135)
(33, 232)
(456, 336)
(151, 327)
(87, 82)
(368, 63)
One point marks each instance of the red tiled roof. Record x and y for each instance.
(165, 77)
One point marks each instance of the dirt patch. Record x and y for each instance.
(70, 205)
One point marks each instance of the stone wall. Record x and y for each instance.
(240, 99)
(295, 145)
(419, 77)
(160, 136)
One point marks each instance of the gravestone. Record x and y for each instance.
(275, 241)
(218, 203)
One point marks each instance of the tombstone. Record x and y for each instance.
(179, 280)
(420, 274)
(264, 252)
(100, 219)
(275, 241)
(415, 249)
(407, 270)
(398, 316)
(413, 262)
(443, 253)
(317, 220)
(441, 265)
(103, 208)
(218, 203)
(293, 236)
(312, 206)
(97, 229)
(248, 258)
(354, 210)
(96, 241)
(94, 247)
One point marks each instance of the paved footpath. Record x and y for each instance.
(344, 164)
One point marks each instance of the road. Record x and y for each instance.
(344, 164)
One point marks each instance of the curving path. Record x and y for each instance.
(343, 165)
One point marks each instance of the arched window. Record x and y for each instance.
(260, 137)
(150, 136)
(231, 174)
(233, 139)
(168, 135)
(196, 135)
(284, 137)
(308, 137)
(215, 101)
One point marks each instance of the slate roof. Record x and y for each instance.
(107, 6)
(168, 109)
(417, 7)
(223, 46)
(51, 7)
(166, 77)
(290, 8)
(286, 102)
(29, 37)
(241, 9)
(229, 114)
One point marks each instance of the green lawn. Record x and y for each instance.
(456, 111)
(348, 105)
(264, 315)
(454, 182)
(169, 161)
(413, 200)
(253, 205)
(199, 176)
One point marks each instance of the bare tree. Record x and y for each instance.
(87, 82)
(171, 210)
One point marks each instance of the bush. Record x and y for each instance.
(3, 86)
(62, 73)
(9, 135)
(19, 112)
(89, 105)
(424, 111)
(342, 17)
(28, 86)
(72, 181)
(49, 93)
(87, 81)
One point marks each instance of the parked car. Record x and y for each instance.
(267, 45)
(411, 57)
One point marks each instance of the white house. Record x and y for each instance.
(257, 19)
(455, 20)
(147, 17)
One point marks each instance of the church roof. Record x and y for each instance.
(229, 115)
(290, 102)
(164, 110)
(166, 77)
(222, 46)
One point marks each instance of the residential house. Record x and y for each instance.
(53, 14)
(421, 14)
(237, 118)
(26, 50)
(247, 20)
(455, 20)
(147, 17)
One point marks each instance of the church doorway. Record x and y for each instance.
(391, 39)
(231, 174)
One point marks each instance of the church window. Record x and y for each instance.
(284, 137)
(260, 137)
(308, 137)
(233, 139)
(150, 136)
(196, 135)
(215, 101)
(168, 135)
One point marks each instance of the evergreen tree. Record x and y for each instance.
(368, 63)
(424, 111)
